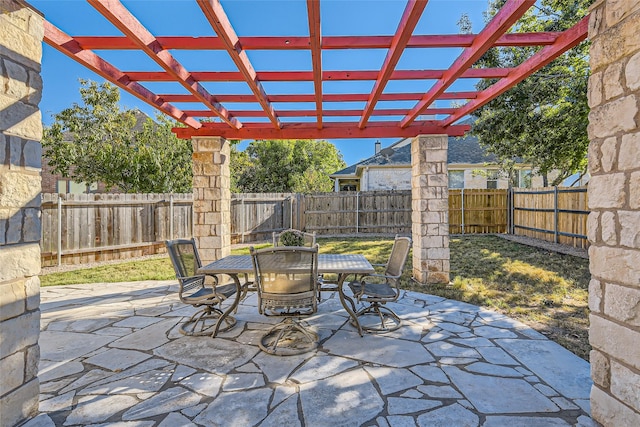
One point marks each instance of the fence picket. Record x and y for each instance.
(117, 226)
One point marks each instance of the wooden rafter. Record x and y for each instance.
(410, 17)
(65, 44)
(313, 13)
(346, 97)
(218, 20)
(328, 42)
(328, 113)
(299, 76)
(122, 19)
(501, 22)
(328, 131)
(569, 39)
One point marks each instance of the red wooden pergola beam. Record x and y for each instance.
(327, 113)
(328, 42)
(122, 19)
(410, 17)
(65, 44)
(301, 76)
(329, 131)
(569, 39)
(347, 97)
(220, 23)
(313, 14)
(501, 22)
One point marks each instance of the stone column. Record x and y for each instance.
(614, 221)
(430, 205)
(21, 33)
(211, 197)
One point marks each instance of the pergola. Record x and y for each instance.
(614, 134)
(268, 122)
(429, 125)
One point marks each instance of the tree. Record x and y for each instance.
(543, 120)
(99, 141)
(285, 166)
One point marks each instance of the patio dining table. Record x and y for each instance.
(343, 265)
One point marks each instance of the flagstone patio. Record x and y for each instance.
(111, 354)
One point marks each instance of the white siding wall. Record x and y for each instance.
(399, 178)
(386, 179)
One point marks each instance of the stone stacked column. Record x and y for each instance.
(21, 33)
(614, 222)
(430, 205)
(211, 197)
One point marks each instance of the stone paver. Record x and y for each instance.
(451, 364)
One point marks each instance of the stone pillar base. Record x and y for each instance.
(211, 197)
(430, 205)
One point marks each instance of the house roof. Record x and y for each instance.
(463, 150)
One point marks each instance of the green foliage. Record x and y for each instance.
(543, 120)
(99, 141)
(300, 165)
(292, 238)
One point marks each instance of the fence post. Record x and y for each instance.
(512, 210)
(59, 237)
(462, 209)
(555, 214)
(300, 215)
(290, 211)
(357, 212)
(171, 217)
(242, 219)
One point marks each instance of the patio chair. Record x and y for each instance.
(186, 261)
(308, 239)
(375, 290)
(286, 278)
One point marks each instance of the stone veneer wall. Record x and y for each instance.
(614, 222)
(21, 33)
(211, 197)
(430, 206)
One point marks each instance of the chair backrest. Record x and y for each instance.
(184, 257)
(398, 257)
(309, 239)
(286, 277)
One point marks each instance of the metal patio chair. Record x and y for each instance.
(375, 290)
(286, 278)
(209, 319)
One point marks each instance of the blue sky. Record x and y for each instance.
(257, 18)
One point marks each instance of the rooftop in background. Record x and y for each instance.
(466, 150)
(381, 77)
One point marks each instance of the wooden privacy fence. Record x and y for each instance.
(83, 228)
(255, 217)
(350, 213)
(477, 211)
(98, 227)
(92, 227)
(554, 214)
(389, 212)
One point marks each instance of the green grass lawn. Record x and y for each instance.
(543, 289)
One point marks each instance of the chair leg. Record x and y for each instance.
(388, 320)
(288, 338)
(203, 320)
